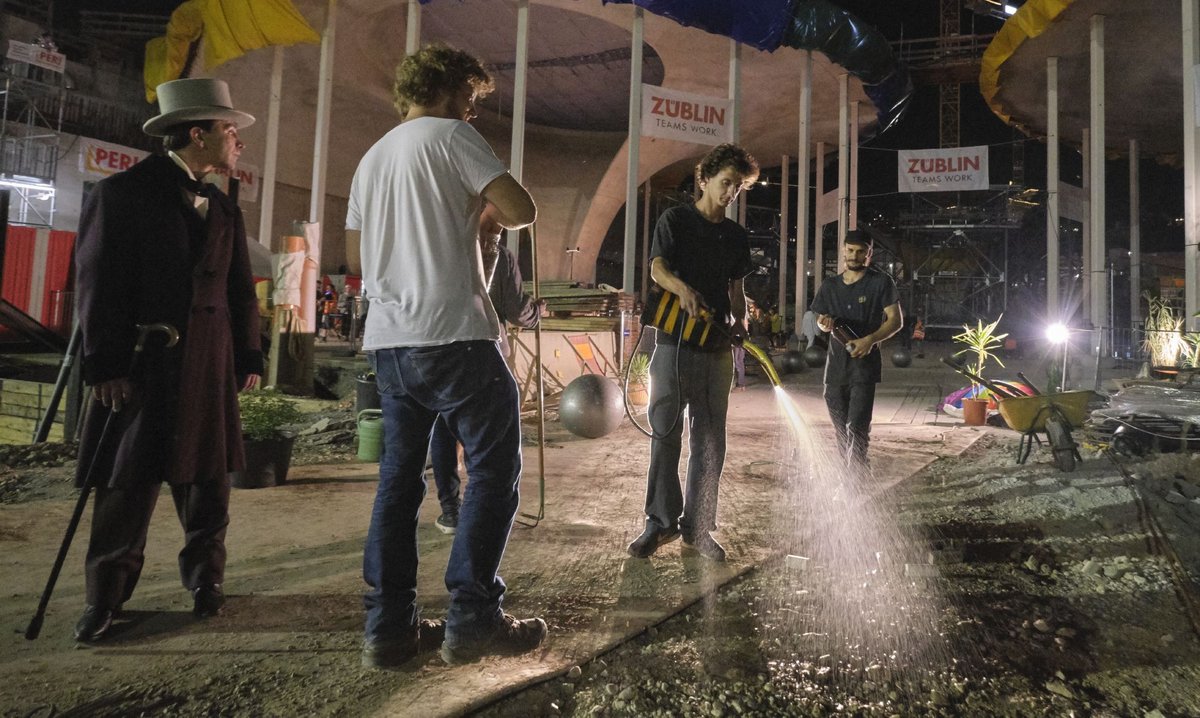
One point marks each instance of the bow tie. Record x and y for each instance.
(201, 189)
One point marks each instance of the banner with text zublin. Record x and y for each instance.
(945, 170)
(686, 117)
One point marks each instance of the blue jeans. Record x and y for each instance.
(443, 453)
(685, 378)
(469, 385)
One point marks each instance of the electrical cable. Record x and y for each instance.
(678, 390)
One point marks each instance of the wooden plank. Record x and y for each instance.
(27, 412)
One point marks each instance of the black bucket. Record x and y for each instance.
(366, 393)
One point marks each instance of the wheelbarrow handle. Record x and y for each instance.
(995, 388)
(1034, 389)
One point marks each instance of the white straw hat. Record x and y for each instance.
(193, 99)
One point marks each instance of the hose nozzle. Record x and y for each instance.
(755, 351)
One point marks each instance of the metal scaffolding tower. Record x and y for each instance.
(31, 113)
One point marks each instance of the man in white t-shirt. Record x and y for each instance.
(431, 339)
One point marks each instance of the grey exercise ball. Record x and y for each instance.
(591, 406)
(814, 356)
(793, 362)
(901, 358)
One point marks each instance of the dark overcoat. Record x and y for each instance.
(144, 256)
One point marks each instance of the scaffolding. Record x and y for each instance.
(958, 254)
(31, 116)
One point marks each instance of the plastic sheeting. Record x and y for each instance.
(857, 47)
(1176, 403)
(802, 25)
(1030, 20)
(230, 29)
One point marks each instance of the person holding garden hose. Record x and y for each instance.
(860, 308)
(701, 257)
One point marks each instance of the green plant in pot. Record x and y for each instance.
(978, 342)
(266, 417)
(1165, 341)
(638, 389)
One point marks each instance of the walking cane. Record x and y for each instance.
(144, 331)
(541, 391)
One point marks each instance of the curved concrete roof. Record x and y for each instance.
(577, 105)
(1143, 71)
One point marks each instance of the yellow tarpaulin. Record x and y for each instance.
(1030, 20)
(230, 28)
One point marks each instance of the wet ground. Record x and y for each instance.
(952, 582)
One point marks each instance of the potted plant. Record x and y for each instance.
(1165, 341)
(638, 386)
(266, 416)
(979, 342)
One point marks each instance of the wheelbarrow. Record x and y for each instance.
(1054, 414)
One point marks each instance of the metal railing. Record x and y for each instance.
(940, 51)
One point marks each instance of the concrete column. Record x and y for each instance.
(634, 145)
(784, 231)
(316, 206)
(1085, 254)
(1135, 238)
(1053, 216)
(737, 210)
(1099, 296)
(803, 146)
(853, 211)
(516, 156)
(818, 230)
(843, 191)
(645, 241)
(412, 29)
(1191, 164)
(270, 161)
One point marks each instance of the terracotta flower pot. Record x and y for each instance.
(638, 394)
(975, 411)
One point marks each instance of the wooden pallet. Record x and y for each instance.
(22, 405)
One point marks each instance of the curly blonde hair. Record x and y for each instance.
(421, 78)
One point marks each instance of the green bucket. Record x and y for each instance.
(370, 434)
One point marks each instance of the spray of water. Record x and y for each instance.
(841, 608)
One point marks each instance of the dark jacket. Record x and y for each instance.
(145, 256)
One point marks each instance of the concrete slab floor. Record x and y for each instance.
(288, 641)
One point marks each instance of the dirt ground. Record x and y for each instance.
(959, 584)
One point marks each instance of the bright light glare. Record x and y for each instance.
(1009, 10)
(1057, 333)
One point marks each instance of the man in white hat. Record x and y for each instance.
(157, 246)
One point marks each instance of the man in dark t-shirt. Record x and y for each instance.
(860, 308)
(701, 257)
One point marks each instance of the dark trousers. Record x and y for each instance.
(682, 378)
(443, 454)
(850, 407)
(120, 521)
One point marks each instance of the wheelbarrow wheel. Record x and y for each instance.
(1061, 443)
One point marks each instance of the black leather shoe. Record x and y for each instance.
(93, 624)
(645, 545)
(704, 544)
(207, 601)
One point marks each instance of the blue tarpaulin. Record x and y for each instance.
(803, 25)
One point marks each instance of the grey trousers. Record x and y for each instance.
(682, 378)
